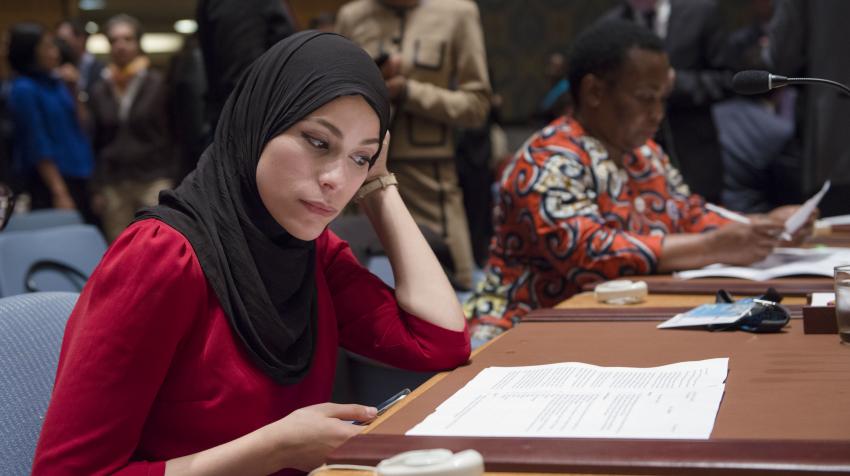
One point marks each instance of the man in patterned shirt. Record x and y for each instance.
(591, 197)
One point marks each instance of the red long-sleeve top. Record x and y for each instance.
(150, 369)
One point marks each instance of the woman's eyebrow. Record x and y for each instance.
(338, 133)
(334, 129)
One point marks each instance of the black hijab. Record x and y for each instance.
(263, 276)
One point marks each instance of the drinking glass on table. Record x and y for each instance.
(842, 302)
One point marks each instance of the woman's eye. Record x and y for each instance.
(361, 160)
(316, 143)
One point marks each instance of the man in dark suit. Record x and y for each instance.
(695, 43)
(810, 39)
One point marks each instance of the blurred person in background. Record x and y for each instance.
(187, 87)
(73, 33)
(433, 60)
(808, 39)
(324, 21)
(233, 34)
(755, 130)
(695, 41)
(480, 152)
(52, 160)
(132, 145)
(556, 102)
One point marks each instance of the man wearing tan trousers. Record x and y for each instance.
(432, 55)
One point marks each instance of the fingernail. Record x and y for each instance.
(371, 411)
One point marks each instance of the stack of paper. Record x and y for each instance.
(582, 400)
(782, 262)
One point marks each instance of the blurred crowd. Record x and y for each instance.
(105, 135)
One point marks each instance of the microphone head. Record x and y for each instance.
(751, 82)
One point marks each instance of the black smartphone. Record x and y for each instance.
(385, 405)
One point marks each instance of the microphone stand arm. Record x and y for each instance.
(819, 81)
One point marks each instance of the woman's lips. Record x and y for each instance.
(319, 208)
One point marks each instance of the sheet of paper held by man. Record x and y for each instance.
(798, 218)
(782, 262)
(580, 400)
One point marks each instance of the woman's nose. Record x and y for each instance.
(331, 175)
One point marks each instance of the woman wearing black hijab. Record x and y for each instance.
(206, 339)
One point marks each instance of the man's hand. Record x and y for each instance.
(391, 67)
(397, 86)
(781, 214)
(743, 244)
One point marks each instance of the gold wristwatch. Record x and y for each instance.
(376, 183)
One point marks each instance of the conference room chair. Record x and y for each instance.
(50, 259)
(31, 329)
(47, 218)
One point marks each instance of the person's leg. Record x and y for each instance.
(429, 189)
(457, 227)
(118, 208)
(79, 190)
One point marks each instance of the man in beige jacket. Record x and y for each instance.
(432, 55)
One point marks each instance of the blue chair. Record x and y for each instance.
(50, 259)
(48, 218)
(31, 329)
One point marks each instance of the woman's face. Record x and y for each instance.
(123, 43)
(307, 174)
(46, 53)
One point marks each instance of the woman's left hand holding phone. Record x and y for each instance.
(306, 436)
(301, 440)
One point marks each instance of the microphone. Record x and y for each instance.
(759, 82)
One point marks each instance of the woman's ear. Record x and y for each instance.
(592, 89)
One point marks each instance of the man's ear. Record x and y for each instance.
(592, 89)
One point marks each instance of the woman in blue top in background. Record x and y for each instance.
(51, 157)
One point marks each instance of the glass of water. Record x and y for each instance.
(842, 302)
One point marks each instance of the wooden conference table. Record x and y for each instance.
(786, 408)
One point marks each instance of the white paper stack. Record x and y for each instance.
(582, 400)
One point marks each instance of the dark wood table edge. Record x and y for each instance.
(785, 286)
(596, 314)
(617, 456)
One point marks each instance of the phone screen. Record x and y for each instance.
(386, 404)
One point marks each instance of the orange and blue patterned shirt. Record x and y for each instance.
(568, 216)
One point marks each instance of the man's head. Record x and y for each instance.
(556, 67)
(74, 34)
(620, 78)
(125, 37)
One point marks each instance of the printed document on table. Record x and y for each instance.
(782, 262)
(584, 401)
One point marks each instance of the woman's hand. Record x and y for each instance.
(380, 167)
(306, 436)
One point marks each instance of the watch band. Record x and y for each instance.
(381, 182)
